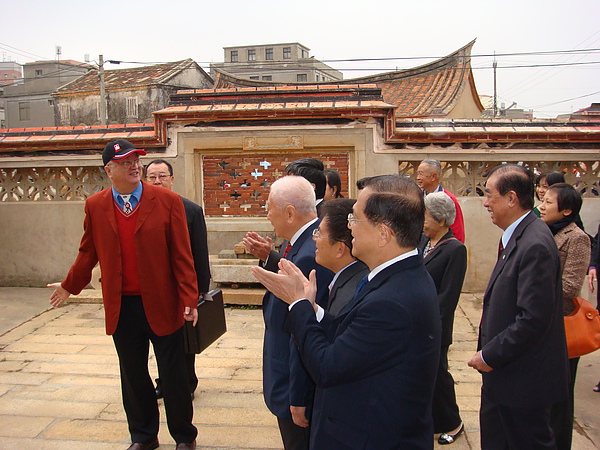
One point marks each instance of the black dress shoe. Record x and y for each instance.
(147, 446)
(158, 390)
(446, 438)
(186, 446)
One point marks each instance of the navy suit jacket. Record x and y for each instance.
(285, 380)
(375, 377)
(522, 334)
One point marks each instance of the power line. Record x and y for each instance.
(22, 52)
(567, 100)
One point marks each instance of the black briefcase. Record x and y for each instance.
(211, 324)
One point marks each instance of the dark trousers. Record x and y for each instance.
(293, 436)
(190, 367)
(562, 413)
(504, 427)
(132, 339)
(444, 409)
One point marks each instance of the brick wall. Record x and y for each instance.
(239, 185)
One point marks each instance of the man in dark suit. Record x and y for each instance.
(287, 387)
(138, 234)
(521, 350)
(313, 170)
(333, 241)
(160, 173)
(375, 363)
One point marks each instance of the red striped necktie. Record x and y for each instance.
(287, 249)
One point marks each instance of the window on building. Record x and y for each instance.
(234, 56)
(301, 77)
(269, 54)
(317, 77)
(24, 111)
(304, 54)
(132, 107)
(38, 73)
(287, 52)
(251, 55)
(255, 77)
(65, 114)
(267, 78)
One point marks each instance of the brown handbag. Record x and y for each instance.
(582, 328)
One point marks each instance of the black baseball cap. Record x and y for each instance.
(119, 149)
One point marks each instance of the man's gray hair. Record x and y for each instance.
(296, 191)
(434, 164)
(441, 207)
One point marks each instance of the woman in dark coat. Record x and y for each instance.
(445, 259)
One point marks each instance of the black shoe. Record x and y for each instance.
(147, 446)
(158, 389)
(446, 438)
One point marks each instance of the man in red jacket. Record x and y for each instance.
(429, 174)
(138, 234)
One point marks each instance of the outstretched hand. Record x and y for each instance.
(289, 284)
(59, 295)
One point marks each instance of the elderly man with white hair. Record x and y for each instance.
(446, 261)
(288, 388)
(429, 176)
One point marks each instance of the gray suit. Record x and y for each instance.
(344, 287)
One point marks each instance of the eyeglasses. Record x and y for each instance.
(161, 177)
(317, 234)
(352, 220)
(127, 164)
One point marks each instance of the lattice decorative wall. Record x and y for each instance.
(468, 178)
(51, 183)
(237, 185)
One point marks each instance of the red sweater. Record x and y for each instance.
(126, 225)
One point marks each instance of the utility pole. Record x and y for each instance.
(495, 65)
(102, 91)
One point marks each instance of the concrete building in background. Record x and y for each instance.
(132, 95)
(30, 104)
(11, 73)
(279, 63)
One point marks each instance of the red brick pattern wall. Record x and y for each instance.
(239, 185)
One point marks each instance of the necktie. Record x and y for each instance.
(127, 205)
(500, 248)
(287, 249)
(364, 280)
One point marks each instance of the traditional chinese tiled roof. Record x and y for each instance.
(430, 90)
(129, 78)
(276, 102)
(23, 140)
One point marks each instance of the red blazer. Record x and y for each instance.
(165, 263)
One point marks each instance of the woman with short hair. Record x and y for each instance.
(559, 209)
(333, 187)
(445, 259)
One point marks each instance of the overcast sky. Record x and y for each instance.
(152, 31)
